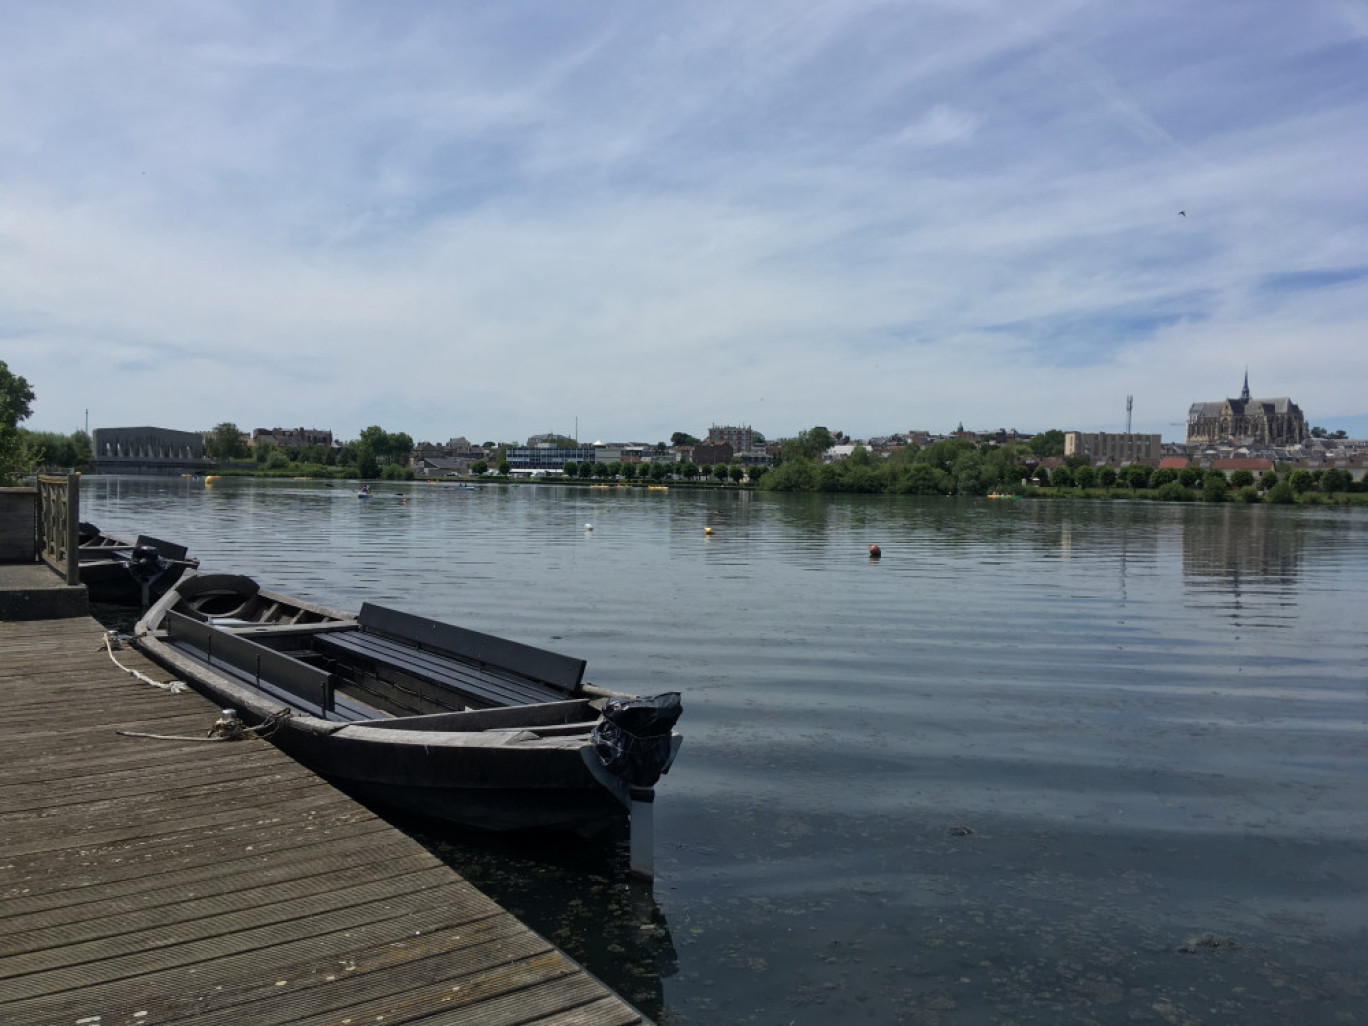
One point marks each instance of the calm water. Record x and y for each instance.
(1004, 774)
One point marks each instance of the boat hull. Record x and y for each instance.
(493, 779)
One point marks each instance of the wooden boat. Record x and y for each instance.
(418, 714)
(122, 572)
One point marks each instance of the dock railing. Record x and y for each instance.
(59, 523)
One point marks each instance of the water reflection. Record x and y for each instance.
(577, 893)
(1243, 562)
(1073, 682)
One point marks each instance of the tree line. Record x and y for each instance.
(377, 453)
(951, 466)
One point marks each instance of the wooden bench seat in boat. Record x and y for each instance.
(490, 671)
(303, 687)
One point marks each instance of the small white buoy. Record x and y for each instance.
(588, 527)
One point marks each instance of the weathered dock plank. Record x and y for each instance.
(147, 881)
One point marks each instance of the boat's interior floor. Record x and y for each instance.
(346, 709)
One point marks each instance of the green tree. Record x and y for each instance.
(59, 451)
(225, 442)
(570, 468)
(1190, 477)
(16, 398)
(262, 451)
(1301, 481)
(17, 456)
(601, 470)
(737, 472)
(1215, 488)
(1138, 475)
(1162, 476)
(628, 471)
(719, 471)
(817, 440)
(1174, 491)
(386, 447)
(660, 471)
(682, 438)
(1042, 476)
(972, 475)
(1248, 494)
(479, 468)
(688, 470)
(1268, 479)
(1062, 478)
(1048, 443)
(923, 479)
(1213, 474)
(586, 469)
(504, 468)
(367, 469)
(1336, 479)
(1241, 478)
(756, 473)
(1281, 493)
(1106, 477)
(1084, 476)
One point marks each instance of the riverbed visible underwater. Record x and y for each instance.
(1056, 762)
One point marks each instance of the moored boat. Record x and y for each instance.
(418, 714)
(122, 572)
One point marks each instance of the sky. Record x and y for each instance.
(624, 219)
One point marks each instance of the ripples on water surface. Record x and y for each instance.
(1001, 775)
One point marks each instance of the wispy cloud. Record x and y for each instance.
(489, 220)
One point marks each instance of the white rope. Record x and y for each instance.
(228, 727)
(173, 686)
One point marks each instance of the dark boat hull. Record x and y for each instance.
(489, 784)
(501, 767)
(113, 574)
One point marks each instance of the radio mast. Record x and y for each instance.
(1129, 398)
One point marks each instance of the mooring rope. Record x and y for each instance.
(173, 686)
(226, 728)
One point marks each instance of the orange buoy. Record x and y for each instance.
(875, 552)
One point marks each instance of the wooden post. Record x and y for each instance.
(59, 524)
(642, 823)
(73, 529)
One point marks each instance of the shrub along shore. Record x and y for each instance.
(1299, 487)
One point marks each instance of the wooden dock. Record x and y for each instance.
(148, 881)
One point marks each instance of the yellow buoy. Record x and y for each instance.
(707, 530)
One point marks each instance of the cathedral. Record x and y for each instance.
(1244, 421)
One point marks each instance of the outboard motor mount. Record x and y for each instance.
(633, 738)
(145, 564)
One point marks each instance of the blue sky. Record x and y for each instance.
(494, 219)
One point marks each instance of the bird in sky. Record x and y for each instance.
(1182, 213)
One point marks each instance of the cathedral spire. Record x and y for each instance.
(1244, 394)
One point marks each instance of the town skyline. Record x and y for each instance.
(653, 215)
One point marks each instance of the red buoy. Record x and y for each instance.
(874, 552)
